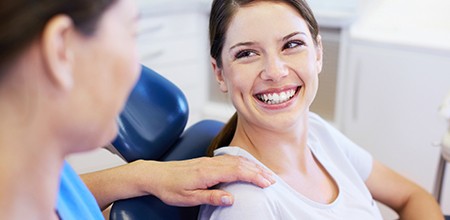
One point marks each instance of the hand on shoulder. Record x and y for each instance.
(187, 183)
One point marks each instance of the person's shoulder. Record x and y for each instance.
(316, 119)
(250, 202)
(244, 191)
(74, 198)
(319, 125)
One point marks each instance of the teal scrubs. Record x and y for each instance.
(75, 201)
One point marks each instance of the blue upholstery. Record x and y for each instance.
(155, 115)
(152, 127)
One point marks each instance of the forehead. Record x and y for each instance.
(264, 19)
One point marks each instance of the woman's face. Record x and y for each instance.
(106, 70)
(270, 65)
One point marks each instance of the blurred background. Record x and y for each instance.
(386, 73)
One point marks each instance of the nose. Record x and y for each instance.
(275, 69)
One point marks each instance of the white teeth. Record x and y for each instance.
(276, 98)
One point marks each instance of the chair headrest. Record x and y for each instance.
(154, 117)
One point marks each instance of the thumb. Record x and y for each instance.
(214, 197)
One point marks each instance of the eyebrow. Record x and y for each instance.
(241, 44)
(248, 43)
(293, 34)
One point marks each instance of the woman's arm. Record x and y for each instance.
(180, 183)
(408, 199)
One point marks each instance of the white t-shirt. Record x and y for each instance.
(348, 164)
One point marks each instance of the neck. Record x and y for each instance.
(285, 152)
(279, 150)
(30, 156)
(29, 168)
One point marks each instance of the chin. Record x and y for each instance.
(110, 134)
(104, 137)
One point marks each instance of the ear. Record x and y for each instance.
(319, 54)
(57, 52)
(219, 75)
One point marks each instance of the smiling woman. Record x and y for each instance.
(267, 56)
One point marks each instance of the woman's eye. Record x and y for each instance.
(293, 44)
(244, 53)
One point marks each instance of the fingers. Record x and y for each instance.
(242, 169)
(214, 197)
(264, 178)
(187, 183)
(254, 173)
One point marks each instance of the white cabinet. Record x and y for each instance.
(390, 106)
(396, 75)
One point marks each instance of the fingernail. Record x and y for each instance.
(226, 200)
(267, 183)
(272, 180)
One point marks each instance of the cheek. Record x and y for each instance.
(120, 70)
(237, 81)
(306, 66)
(244, 73)
(126, 65)
(134, 66)
(134, 61)
(319, 66)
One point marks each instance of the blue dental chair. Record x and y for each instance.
(152, 127)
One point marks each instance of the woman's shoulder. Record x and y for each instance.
(244, 191)
(250, 202)
(247, 190)
(316, 119)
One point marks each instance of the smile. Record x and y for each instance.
(277, 98)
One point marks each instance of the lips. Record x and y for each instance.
(274, 98)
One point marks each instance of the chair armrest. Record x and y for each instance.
(194, 141)
(150, 207)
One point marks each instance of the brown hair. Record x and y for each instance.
(22, 21)
(222, 12)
